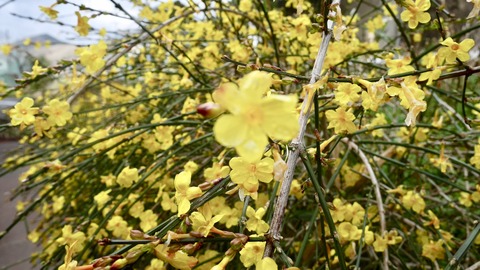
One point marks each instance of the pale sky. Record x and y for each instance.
(13, 29)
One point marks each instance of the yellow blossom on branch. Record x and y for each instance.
(92, 56)
(37, 70)
(203, 220)
(255, 222)
(433, 250)
(454, 50)
(58, 112)
(414, 201)
(253, 116)
(252, 253)
(82, 24)
(51, 13)
(184, 193)
(248, 174)
(127, 177)
(23, 112)
(341, 120)
(416, 12)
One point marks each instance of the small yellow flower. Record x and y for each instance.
(6, 49)
(37, 70)
(23, 112)
(184, 193)
(442, 161)
(414, 201)
(58, 112)
(416, 12)
(454, 50)
(341, 120)
(255, 222)
(266, 263)
(148, 220)
(252, 253)
(347, 94)
(203, 220)
(433, 250)
(69, 237)
(127, 177)
(248, 174)
(82, 24)
(52, 13)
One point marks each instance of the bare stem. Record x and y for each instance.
(282, 200)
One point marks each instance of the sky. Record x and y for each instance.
(13, 28)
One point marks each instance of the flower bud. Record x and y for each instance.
(209, 110)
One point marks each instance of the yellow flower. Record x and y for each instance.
(118, 226)
(216, 171)
(341, 120)
(148, 220)
(37, 70)
(442, 161)
(6, 49)
(433, 250)
(266, 263)
(254, 117)
(127, 177)
(416, 12)
(475, 160)
(247, 174)
(397, 66)
(255, 222)
(178, 259)
(347, 94)
(184, 193)
(82, 24)
(52, 13)
(414, 201)
(411, 98)
(380, 244)
(69, 264)
(68, 238)
(92, 56)
(434, 221)
(102, 198)
(23, 112)
(58, 112)
(375, 94)
(252, 253)
(454, 50)
(348, 231)
(203, 220)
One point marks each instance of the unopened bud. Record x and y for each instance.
(209, 109)
(119, 264)
(289, 80)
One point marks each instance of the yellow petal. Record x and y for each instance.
(182, 181)
(253, 146)
(256, 84)
(230, 130)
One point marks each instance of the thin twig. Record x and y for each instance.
(282, 200)
(117, 56)
(378, 194)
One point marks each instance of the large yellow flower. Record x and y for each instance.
(253, 116)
